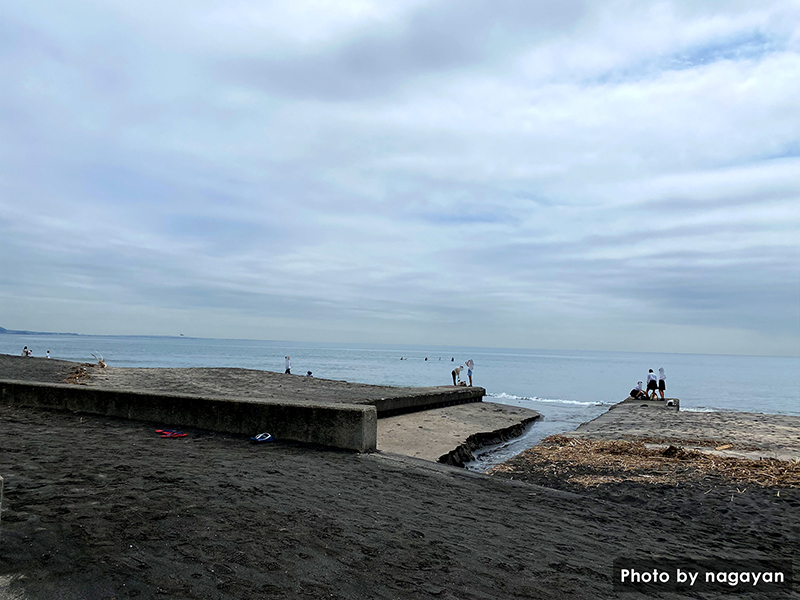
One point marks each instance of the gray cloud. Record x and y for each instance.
(438, 39)
(452, 173)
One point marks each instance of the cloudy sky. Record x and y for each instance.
(522, 173)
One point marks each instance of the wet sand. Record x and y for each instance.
(96, 507)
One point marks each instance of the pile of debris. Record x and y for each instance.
(79, 375)
(589, 463)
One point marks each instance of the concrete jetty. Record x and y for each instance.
(728, 434)
(333, 413)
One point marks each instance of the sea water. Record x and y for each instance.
(566, 387)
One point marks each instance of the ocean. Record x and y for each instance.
(566, 387)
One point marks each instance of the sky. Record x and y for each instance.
(532, 174)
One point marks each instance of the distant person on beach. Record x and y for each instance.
(456, 373)
(652, 385)
(288, 364)
(662, 382)
(638, 391)
(309, 374)
(470, 366)
(25, 351)
(48, 354)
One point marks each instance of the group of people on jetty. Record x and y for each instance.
(287, 363)
(654, 383)
(28, 352)
(456, 373)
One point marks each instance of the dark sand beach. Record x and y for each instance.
(98, 507)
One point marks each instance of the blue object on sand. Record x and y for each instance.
(263, 437)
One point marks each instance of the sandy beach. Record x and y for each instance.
(98, 507)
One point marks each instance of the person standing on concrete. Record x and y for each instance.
(456, 373)
(651, 385)
(288, 363)
(662, 382)
(470, 367)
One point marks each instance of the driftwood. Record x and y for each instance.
(614, 461)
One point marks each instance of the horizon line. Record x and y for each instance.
(4, 331)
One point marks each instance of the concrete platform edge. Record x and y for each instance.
(346, 426)
(445, 396)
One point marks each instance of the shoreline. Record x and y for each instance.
(447, 434)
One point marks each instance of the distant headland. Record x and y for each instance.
(3, 330)
(25, 332)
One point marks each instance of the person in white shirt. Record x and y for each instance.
(288, 364)
(456, 373)
(470, 367)
(652, 385)
(662, 382)
(638, 391)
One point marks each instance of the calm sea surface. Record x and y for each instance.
(567, 387)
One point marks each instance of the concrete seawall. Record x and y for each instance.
(347, 426)
(427, 398)
(329, 412)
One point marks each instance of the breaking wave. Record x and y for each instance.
(502, 396)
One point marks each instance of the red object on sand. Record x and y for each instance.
(170, 433)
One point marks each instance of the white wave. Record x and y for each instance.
(511, 397)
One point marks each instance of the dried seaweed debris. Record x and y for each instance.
(623, 460)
